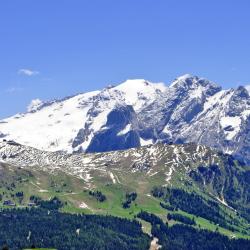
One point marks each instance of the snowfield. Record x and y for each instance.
(137, 113)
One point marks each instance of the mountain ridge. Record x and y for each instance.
(136, 113)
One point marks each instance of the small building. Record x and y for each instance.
(31, 204)
(9, 203)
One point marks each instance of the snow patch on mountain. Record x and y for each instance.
(248, 88)
(146, 142)
(220, 99)
(136, 113)
(148, 159)
(52, 127)
(180, 79)
(125, 130)
(139, 91)
(231, 126)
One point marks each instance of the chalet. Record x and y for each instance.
(31, 204)
(9, 203)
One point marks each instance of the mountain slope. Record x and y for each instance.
(219, 180)
(170, 164)
(248, 88)
(148, 159)
(137, 113)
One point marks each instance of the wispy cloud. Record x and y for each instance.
(28, 72)
(12, 90)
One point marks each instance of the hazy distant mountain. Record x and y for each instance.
(137, 113)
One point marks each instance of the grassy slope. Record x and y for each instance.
(73, 191)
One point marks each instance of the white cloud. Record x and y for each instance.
(28, 72)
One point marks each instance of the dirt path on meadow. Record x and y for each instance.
(154, 244)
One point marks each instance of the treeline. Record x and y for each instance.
(192, 203)
(186, 237)
(151, 218)
(181, 218)
(183, 237)
(35, 227)
(168, 207)
(235, 182)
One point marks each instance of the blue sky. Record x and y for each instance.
(55, 48)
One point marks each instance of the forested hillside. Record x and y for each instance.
(38, 227)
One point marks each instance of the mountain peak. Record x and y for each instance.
(136, 112)
(242, 92)
(190, 82)
(182, 79)
(138, 91)
(185, 77)
(139, 85)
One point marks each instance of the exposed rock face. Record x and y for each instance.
(119, 132)
(137, 113)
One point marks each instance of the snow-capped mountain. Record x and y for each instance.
(137, 113)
